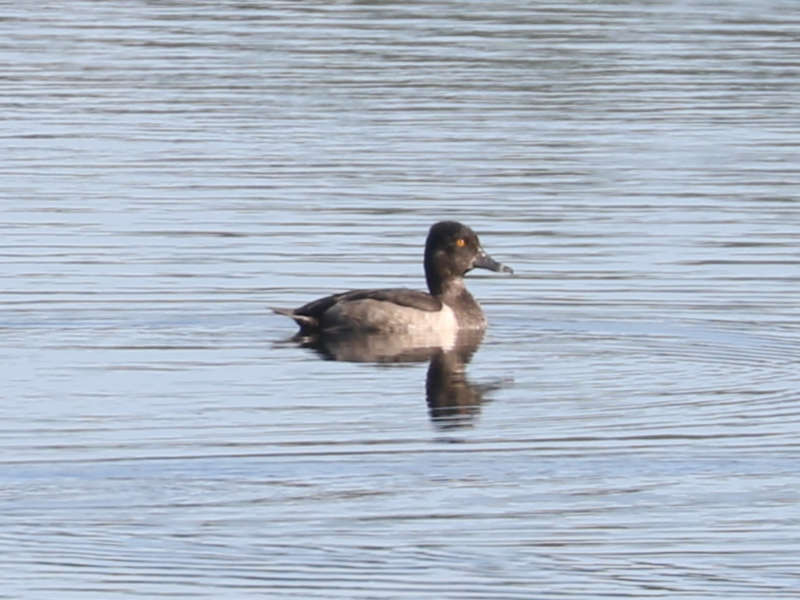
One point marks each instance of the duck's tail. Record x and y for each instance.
(306, 323)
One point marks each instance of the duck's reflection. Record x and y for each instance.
(453, 401)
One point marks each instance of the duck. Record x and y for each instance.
(451, 250)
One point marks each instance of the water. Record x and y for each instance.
(626, 428)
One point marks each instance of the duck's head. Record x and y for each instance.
(451, 250)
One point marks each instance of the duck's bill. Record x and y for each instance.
(484, 261)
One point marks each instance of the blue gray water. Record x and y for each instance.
(629, 423)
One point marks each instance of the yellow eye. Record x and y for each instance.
(461, 242)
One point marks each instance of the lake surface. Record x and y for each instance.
(628, 426)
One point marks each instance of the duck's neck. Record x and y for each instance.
(454, 293)
(451, 289)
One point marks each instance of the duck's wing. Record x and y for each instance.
(309, 316)
(400, 296)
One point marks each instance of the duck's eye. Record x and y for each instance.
(461, 242)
